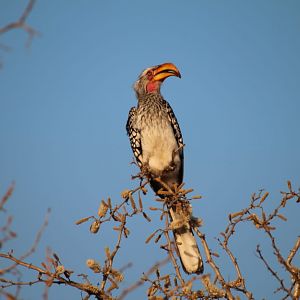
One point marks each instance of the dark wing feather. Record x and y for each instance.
(175, 126)
(178, 136)
(134, 136)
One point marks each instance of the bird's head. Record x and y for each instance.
(151, 79)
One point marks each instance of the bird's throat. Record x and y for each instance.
(153, 86)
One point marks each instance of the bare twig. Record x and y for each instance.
(171, 252)
(213, 265)
(53, 275)
(293, 251)
(274, 274)
(7, 196)
(21, 24)
(141, 281)
(33, 247)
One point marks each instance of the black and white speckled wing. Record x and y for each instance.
(175, 125)
(134, 136)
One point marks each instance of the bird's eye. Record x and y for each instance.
(149, 74)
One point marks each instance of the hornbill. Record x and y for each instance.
(157, 145)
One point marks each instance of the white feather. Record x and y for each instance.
(159, 145)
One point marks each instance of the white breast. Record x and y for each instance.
(159, 146)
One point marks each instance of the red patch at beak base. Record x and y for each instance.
(153, 86)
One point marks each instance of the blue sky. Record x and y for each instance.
(64, 105)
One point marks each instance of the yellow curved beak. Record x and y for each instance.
(164, 71)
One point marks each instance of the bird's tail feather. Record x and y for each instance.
(186, 244)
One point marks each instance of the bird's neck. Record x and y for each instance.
(150, 99)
